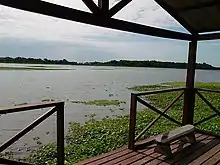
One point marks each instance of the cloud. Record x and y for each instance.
(29, 34)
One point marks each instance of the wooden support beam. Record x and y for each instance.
(176, 15)
(200, 5)
(103, 5)
(189, 95)
(62, 12)
(120, 5)
(92, 6)
(132, 124)
(157, 111)
(158, 117)
(60, 134)
(213, 36)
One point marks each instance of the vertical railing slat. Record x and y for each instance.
(133, 111)
(60, 134)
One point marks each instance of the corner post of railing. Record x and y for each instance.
(189, 95)
(60, 133)
(133, 110)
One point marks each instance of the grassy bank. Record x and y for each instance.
(97, 137)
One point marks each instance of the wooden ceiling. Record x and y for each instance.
(197, 16)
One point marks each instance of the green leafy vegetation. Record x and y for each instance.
(96, 137)
(100, 102)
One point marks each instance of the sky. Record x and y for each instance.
(32, 35)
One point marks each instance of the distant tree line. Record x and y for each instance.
(23, 60)
(125, 63)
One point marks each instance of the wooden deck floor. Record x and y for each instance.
(206, 151)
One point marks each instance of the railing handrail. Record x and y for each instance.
(135, 98)
(159, 91)
(57, 106)
(208, 90)
(27, 107)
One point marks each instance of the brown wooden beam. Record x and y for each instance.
(92, 6)
(103, 5)
(29, 107)
(174, 13)
(120, 5)
(62, 12)
(213, 36)
(189, 95)
(157, 110)
(200, 5)
(158, 117)
(27, 129)
(132, 124)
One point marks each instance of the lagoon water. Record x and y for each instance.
(81, 83)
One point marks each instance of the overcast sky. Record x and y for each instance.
(31, 35)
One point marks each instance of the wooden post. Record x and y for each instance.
(104, 6)
(133, 110)
(60, 134)
(189, 95)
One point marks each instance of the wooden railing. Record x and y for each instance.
(136, 98)
(217, 112)
(55, 107)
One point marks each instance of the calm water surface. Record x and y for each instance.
(83, 83)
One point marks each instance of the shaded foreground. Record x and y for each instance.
(97, 137)
(206, 150)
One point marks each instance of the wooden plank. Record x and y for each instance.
(62, 12)
(111, 157)
(90, 160)
(132, 159)
(189, 150)
(206, 155)
(176, 148)
(207, 133)
(213, 160)
(27, 107)
(122, 158)
(150, 155)
(199, 152)
(175, 134)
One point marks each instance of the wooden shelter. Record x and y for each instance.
(201, 18)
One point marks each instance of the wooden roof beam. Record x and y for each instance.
(104, 6)
(212, 36)
(92, 6)
(62, 12)
(120, 5)
(200, 6)
(174, 13)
